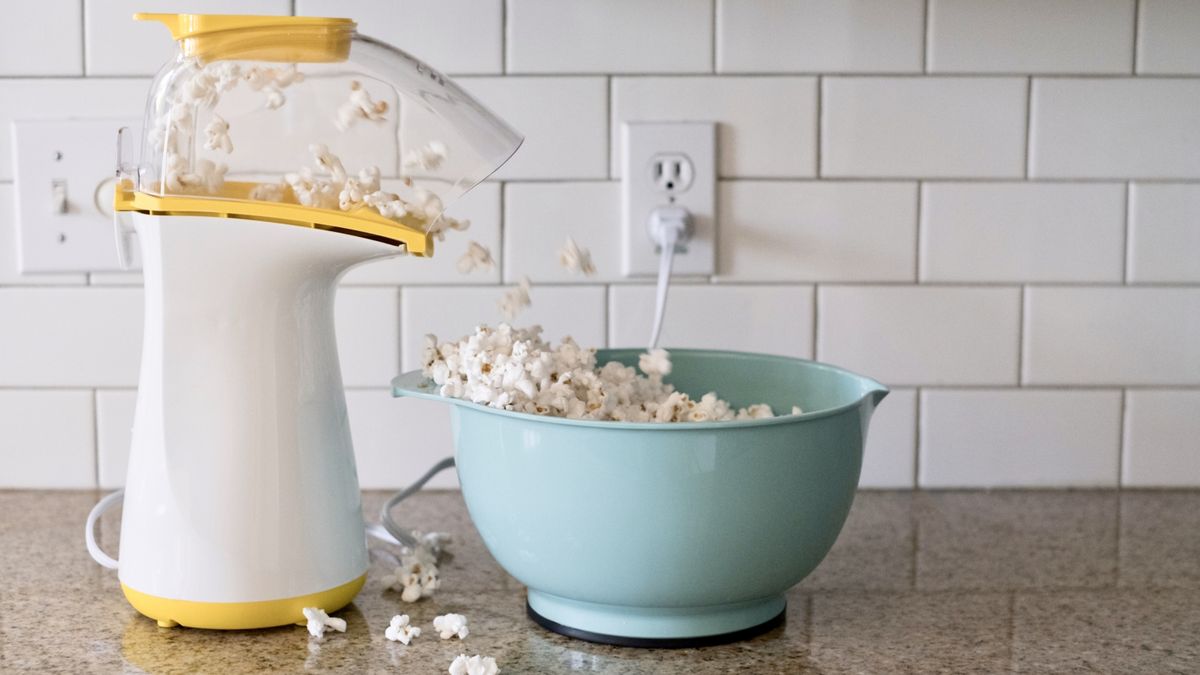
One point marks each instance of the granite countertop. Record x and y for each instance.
(954, 582)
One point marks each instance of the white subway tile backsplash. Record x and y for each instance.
(114, 435)
(770, 319)
(774, 231)
(481, 206)
(893, 173)
(767, 125)
(809, 36)
(889, 460)
(615, 36)
(1019, 438)
(1112, 336)
(921, 335)
(64, 98)
(1162, 439)
(813, 231)
(397, 439)
(367, 321)
(1017, 232)
(934, 127)
(1167, 41)
(70, 337)
(538, 219)
(1164, 233)
(564, 120)
(118, 45)
(431, 30)
(450, 313)
(46, 439)
(1115, 128)
(10, 269)
(41, 38)
(1030, 36)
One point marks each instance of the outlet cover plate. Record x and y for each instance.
(80, 158)
(641, 143)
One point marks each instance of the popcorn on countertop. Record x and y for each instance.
(417, 576)
(515, 299)
(514, 369)
(400, 630)
(477, 257)
(451, 625)
(475, 665)
(575, 259)
(318, 621)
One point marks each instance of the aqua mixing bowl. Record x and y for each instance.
(682, 534)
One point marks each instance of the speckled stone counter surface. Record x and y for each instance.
(951, 582)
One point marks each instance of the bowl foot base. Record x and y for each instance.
(662, 628)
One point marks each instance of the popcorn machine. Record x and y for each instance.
(277, 153)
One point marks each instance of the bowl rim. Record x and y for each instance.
(413, 384)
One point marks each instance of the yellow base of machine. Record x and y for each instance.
(240, 615)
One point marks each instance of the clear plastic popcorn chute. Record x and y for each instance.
(276, 153)
(302, 119)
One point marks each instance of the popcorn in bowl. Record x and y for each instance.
(515, 369)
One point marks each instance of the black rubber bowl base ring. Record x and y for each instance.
(657, 643)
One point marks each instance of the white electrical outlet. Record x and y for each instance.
(668, 164)
(64, 180)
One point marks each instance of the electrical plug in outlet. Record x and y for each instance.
(668, 164)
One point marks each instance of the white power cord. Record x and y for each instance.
(669, 227)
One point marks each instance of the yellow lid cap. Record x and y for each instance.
(286, 39)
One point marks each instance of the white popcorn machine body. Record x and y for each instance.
(278, 152)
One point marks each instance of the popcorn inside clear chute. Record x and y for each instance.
(355, 134)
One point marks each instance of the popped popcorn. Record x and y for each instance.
(359, 106)
(451, 625)
(655, 362)
(269, 192)
(400, 630)
(417, 576)
(515, 369)
(575, 259)
(217, 135)
(515, 299)
(318, 621)
(428, 158)
(475, 665)
(477, 257)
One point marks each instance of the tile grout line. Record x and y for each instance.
(1137, 21)
(96, 438)
(1126, 250)
(1028, 125)
(712, 36)
(926, 44)
(816, 318)
(920, 232)
(1022, 308)
(503, 37)
(918, 394)
(1121, 424)
(820, 125)
(83, 42)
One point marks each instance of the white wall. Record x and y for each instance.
(992, 205)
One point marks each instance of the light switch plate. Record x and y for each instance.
(668, 164)
(64, 179)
